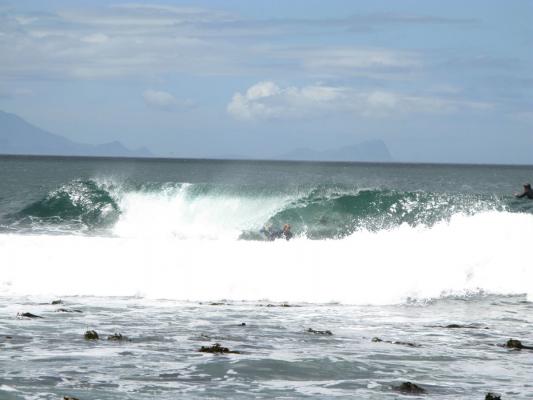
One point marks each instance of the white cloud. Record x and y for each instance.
(159, 99)
(164, 100)
(267, 100)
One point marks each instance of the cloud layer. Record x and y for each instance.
(266, 100)
(362, 71)
(144, 40)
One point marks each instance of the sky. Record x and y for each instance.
(437, 81)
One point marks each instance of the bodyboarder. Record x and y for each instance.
(527, 192)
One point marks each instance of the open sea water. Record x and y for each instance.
(433, 260)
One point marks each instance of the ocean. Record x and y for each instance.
(395, 273)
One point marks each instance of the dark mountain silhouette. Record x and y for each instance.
(20, 137)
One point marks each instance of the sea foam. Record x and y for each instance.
(486, 252)
(175, 212)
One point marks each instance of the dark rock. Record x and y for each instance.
(171, 376)
(412, 388)
(243, 323)
(91, 335)
(217, 349)
(311, 330)
(56, 302)
(378, 340)
(457, 326)
(67, 310)
(217, 304)
(8, 337)
(69, 398)
(492, 396)
(516, 344)
(27, 315)
(277, 305)
(405, 343)
(117, 337)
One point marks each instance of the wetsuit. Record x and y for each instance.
(273, 234)
(526, 193)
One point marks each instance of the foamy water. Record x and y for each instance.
(468, 254)
(175, 213)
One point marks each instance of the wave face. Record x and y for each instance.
(79, 205)
(203, 211)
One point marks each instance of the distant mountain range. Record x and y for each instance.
(17, 136)
(371, 150)
(20, 137)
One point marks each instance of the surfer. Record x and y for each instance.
(527, 192)
(287, 234)
(273, 234)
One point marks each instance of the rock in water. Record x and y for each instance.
(217, 349)
(492, 396)
(378, 340)
(91, 335)
(409, 387)
(328, 333)
(117, 337)
(69, 398)
(457, 326)
(27, 315)
(278, 305)
(516, 344)
(56, 302)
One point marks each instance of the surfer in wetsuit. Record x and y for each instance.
(273, 234)
(527, 192)
(287, 234)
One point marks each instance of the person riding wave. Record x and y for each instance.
(287, 234)
(273, 234)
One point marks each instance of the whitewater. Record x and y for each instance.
(466, 255)
(432, 260)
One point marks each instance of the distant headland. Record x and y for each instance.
(18, 136)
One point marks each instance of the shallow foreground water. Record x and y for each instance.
(48, 358)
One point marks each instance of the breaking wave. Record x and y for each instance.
(202, 211)
(201, 242)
